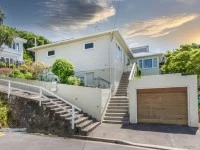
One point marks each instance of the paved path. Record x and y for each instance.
(163, 135)
(23, 141)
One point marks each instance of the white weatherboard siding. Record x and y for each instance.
(166, 81)
(83, 60)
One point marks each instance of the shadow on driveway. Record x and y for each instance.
(176, 129)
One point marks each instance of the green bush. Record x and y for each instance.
(3, 114)
(12, 66)
(28, 75)
(16, 74)
(2, 64)
(73, 80)
(63, 69)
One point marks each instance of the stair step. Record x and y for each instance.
(116, 114)
(113, 121)
(89, 128)
(121, 94)
(77, 117)
(50, 102)
(118, 104)
(61, 108)
(117, 111)
(119, 98)
(84, 124)
(116, 118)
(80, 120)
(119, 101)
(117, 107)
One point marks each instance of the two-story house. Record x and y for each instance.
(12, 53)
(99, 59)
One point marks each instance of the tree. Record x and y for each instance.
(63, 69)
(2, 17)
(6, 35)
(185, 60)
(30, 37)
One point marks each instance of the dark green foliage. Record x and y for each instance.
(3, 114)
(185, 60)
(63, 69)
(6, 35)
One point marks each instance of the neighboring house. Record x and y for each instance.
(14, 52)
(99, 59)
(148, 62)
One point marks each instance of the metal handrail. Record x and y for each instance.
(41, 89)
(133, 71)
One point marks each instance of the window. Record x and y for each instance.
(118, 52)
(51, 53)
(89, 45)
(140, 64)
(148, 63)
(155, 62)
(17, 46)
(13, 45)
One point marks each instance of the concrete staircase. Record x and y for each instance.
(84, 124)
(117, 110)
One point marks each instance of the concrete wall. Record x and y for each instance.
(165, 81)
(91, 100)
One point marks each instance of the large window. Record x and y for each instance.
(17, 46)
(118, 52)
(148, 63)
(51, 53)
(89, 45)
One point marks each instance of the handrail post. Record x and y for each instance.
(73, 117)
(9, 86)
(40, 102)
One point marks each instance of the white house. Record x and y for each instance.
(99, 59)
(14, 52)
(148, 62)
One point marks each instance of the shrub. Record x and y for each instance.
(16, 74)
(63, 69)
(2, 64)
(28, 75)
(73, 80)
(3, 114)
(5, 71)
(12, 66)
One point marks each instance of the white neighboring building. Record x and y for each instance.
(99, 59)
(14, 52)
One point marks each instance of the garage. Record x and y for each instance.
(162, 105)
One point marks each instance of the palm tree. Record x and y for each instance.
(2, 17)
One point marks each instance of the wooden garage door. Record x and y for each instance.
(163, 105)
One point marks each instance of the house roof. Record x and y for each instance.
(20, 39)
(146, 54)
(115, 33)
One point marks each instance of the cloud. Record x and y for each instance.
(158, 26)
(187, 1)
(75, 14)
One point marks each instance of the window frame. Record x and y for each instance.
(121, 52)
(152, 60)
(89, 43)
(50, 55)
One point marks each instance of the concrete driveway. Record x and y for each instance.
(23, 141)
(163, 135)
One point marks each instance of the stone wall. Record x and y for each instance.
(26, 113)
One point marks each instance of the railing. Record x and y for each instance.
(133, 71)
(41, 95)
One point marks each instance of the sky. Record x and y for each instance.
(161, 24)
